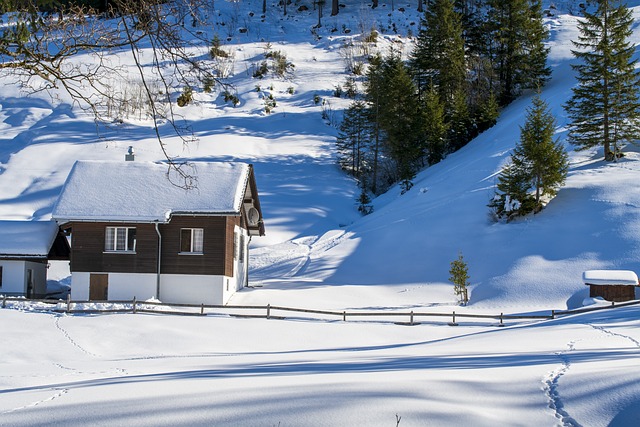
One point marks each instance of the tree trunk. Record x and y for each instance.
(320, 4)
(335, 7)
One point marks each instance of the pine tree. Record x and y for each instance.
(435, 127)
(401, 119)
(538, 166)
(472, 19)
(459, 276)
(536, 73)
(373, 96)
(546, 162)
(604, 108)
(488, 113)
(353, 138)
(518, 51)
(439, 58)
(459, 122)
(512, 198)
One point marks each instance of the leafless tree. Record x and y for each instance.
(68, 49)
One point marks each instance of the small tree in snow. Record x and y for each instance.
(537, 169)
(459, 276)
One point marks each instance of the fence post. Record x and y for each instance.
(344, 316)
(268, 311)
(501, 324)
(202, 309)
(454, 320)
(68, 302)
(613, 303)
(134, 305)
(4, 301)
(553, 314)
(411, 318)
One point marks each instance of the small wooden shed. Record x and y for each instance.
(25, 250)
(611, 285)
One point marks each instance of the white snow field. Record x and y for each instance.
(155, 370)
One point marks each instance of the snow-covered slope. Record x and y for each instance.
(314, 234)
(319, 253)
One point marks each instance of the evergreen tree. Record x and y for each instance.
(512, 198)
(546, 162)
(487, 114)
(353, 138)
(472, 17)
(536, 73)
(401, 119)
(439, 58)
(459, 276)
(373, 96)
(604, 108)
(460, 123)
(435, 127)
(517, 50)
(538, 167)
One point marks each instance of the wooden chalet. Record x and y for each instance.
(611, 285)
(26, 247)
(138, 231)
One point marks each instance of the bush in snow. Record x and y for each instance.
(186, 97)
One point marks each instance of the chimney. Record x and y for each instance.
(130, 156)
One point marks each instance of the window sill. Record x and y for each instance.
(120, 252)
(190, 253)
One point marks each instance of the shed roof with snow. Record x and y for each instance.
(610, 277)
(152, 192)
(30, 239)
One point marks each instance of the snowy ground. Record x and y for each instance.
(147, 370)
(319, 253)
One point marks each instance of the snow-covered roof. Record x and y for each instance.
(609, 277)
(26, 238)
(149, 192)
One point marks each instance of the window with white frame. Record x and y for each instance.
(191, 240)
(120, 239)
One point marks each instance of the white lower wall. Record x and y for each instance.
(14, 277)
(193, 289)
(126, 286)
(174, 288)
(80, 286)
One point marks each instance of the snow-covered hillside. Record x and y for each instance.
(320, 253)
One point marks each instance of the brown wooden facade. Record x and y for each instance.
(616, 293)
(88, 247)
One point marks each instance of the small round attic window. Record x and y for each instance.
(254, 216)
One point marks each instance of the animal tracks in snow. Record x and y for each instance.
(551, 388)
(68, 337)
(59, 393)
(552, 378)
(615, 334)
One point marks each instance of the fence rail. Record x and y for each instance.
(277, 312)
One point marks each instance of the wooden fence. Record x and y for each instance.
(279, 312)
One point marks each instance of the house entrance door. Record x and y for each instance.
(99, 287)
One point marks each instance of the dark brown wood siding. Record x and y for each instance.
(88, 242)
(217, 254)
(88, 254)
(616, 293)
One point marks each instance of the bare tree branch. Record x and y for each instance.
(41, 50)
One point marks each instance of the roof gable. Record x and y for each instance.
(147, 192)
(27, 238)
